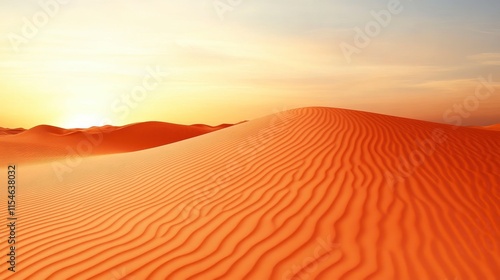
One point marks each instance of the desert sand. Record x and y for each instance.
(42, 142)
(312, 193)
(490, 127)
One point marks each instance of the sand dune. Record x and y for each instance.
(44, 141)
(495, 127)
(313, 193)
(10, 131)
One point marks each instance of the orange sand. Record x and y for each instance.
(42, 142)
(490, 127)
(312, 193)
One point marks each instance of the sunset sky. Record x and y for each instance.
(81, 63)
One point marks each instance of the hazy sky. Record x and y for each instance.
(84, 62)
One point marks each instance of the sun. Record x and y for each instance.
(84, 121)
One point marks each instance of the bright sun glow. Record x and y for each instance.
(83, 121)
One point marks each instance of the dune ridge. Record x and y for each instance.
(303, 194)
(495, 127)
(49, 142)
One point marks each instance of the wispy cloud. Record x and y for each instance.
(486, 58)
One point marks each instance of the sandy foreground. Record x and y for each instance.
(312, 193)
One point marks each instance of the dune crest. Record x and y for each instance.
(495, 127)
(312, 193)
(49, 142)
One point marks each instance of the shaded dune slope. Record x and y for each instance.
(10, 131)
(44, 141)
(312, 193)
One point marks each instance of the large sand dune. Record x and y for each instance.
(312, 193)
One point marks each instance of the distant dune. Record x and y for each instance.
(44, 141)
(495, 127)
(10, 131)
(313, 193)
